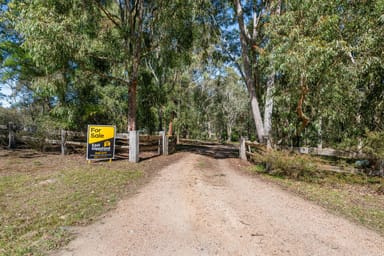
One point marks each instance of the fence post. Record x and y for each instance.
(160, 145)
(11, 136)
(242, 153)
(164, 139)
(134, 146)
(63, 134)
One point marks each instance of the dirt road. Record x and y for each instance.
(203, 206)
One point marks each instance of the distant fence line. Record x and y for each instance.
(327, 152)
(251, 150)
(248, 148)
(77, 141)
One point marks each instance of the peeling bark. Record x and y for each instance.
(170, 128)
(136, 13)
(304, 119)
(257, 117)
(250, 81)
(269, 105)
(268, 108)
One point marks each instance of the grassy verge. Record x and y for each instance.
(38, 209)
(356, 196)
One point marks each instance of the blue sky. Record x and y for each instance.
(4, 89)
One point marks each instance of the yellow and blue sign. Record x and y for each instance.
(101, 142)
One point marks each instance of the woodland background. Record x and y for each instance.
(295, 73)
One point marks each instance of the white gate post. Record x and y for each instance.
(242, 149)
(134, 146)
(63, 134)
(164, 139)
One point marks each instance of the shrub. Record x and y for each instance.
(284, 164)
(374, 144)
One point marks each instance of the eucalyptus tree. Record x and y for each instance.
(86, 47)
(326, 52)
(244, 44)
(98, 41)
(368, 53)
(212, 106)
(229, 110)
(179, 48)
(41, 72)
(17, 70)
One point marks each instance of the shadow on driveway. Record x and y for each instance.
(217, 151)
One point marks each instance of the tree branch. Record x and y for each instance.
(240, 17)
(304, 91)
(149, 66)
(109, 15)
(238, 66)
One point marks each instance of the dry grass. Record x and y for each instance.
(43, 197)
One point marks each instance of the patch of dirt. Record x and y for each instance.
(30, 161)
(200, 205)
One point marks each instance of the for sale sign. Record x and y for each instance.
(101, 142)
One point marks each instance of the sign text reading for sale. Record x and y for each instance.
(100, 142)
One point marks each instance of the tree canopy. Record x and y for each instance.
(287, 72)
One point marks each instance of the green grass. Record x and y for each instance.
(37, 211)
(357, 197)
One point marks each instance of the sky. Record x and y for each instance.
(4, 89)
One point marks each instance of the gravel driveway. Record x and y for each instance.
(205, 206)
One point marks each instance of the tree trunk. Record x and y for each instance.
(302, 117)
(269, 106)
(209, 130)
(229, 133)
(247, 66)
(320, 134)
(132, 91)
(170, 128)
(257, 117)
(268, 110)
(160, 114)
(359, 139)
(135, 20)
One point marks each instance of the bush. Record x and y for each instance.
(35, 138)
(374, 144)
(10, 115)
(284, 164)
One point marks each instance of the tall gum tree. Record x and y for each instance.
(320, 49)
(251, 49)
(128, 21)
(105, 41)
(146, 31)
